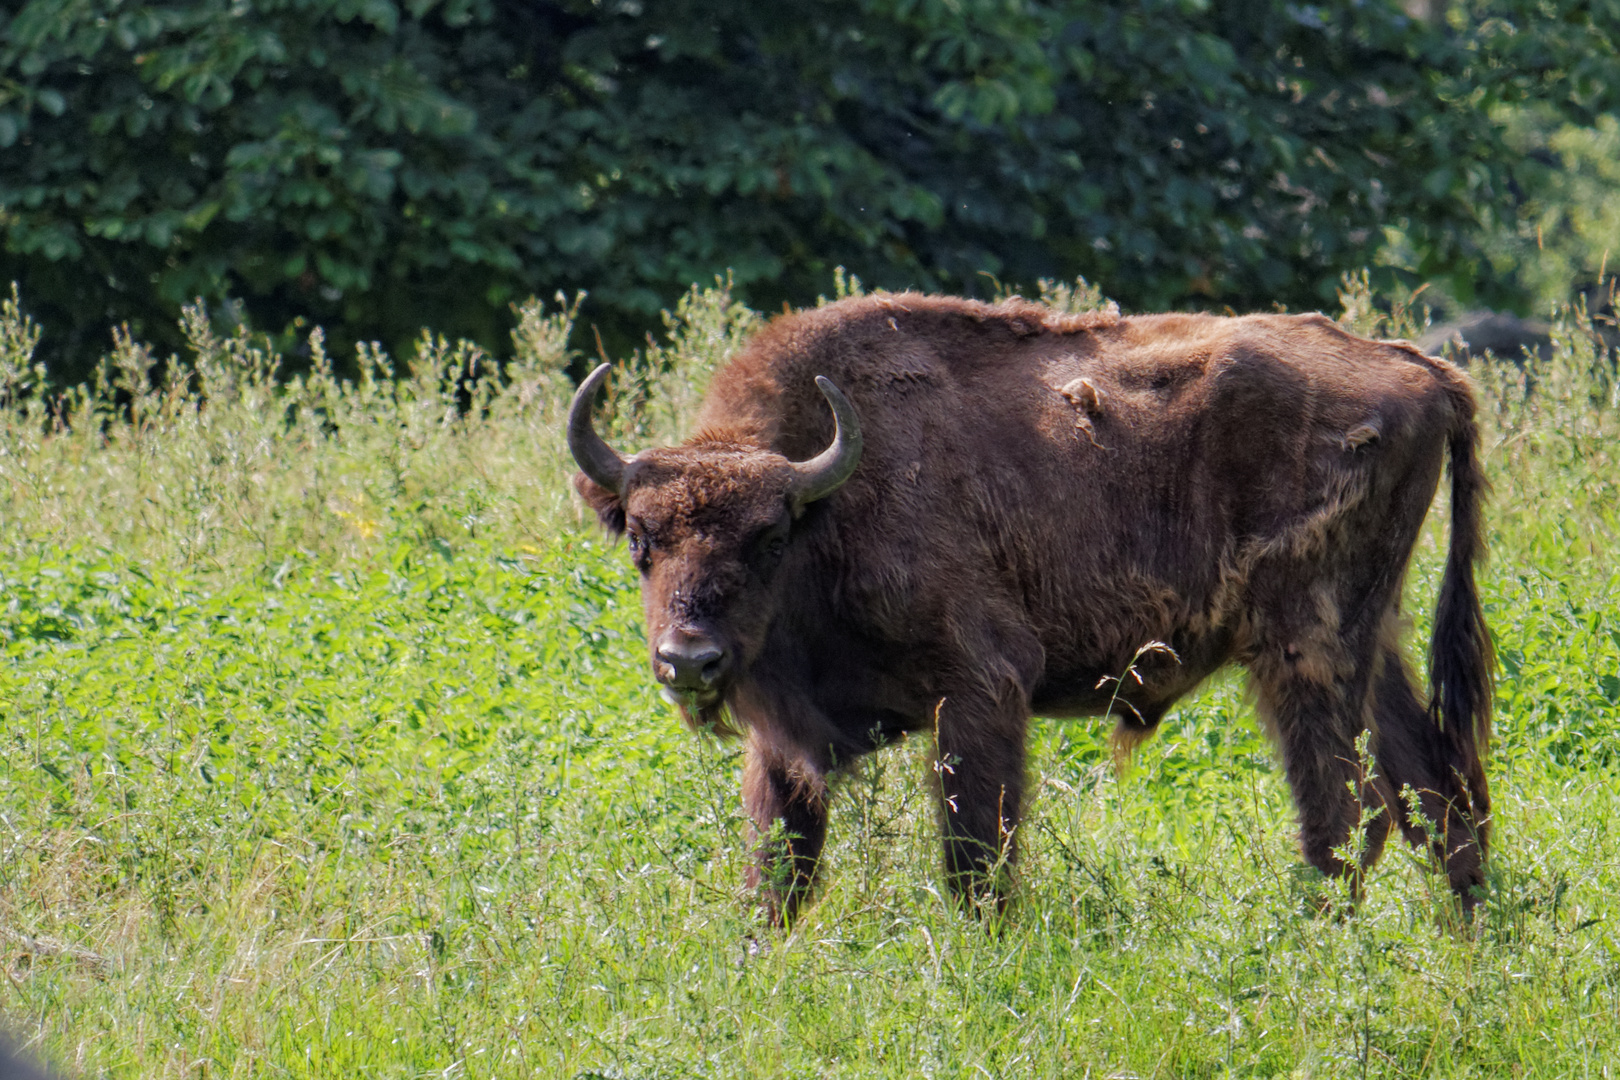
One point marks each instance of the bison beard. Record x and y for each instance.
(1010, 505)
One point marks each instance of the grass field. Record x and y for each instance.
(328, 749)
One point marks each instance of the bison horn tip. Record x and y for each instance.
(596, 459)
(827, 471)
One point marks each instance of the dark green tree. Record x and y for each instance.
(376, 165)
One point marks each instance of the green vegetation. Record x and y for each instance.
(375, 165)
(327, 749)
(1565, 239)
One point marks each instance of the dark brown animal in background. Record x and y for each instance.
(1006, 511)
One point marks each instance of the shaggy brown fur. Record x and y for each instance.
(1041, 496)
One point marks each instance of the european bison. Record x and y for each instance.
(1476, 333)
(1004, 505)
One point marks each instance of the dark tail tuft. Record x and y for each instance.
(1462, 660)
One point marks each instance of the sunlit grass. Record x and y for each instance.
(329, 750)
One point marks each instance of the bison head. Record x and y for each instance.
(709, 525)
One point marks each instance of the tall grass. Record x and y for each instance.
(327, 749)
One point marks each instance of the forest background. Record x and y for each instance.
(374, 166)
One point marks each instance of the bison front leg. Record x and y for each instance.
(786, 801)
(980, 765)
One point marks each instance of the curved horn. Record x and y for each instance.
(822, 474)
(596, 459)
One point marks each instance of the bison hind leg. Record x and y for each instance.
(1439, 795)
(1316, 712)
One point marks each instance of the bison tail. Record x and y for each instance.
(1462, 660)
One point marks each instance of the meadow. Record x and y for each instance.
(328, 749)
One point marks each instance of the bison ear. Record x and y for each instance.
(608, 506)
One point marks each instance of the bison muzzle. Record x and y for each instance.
(907, 513)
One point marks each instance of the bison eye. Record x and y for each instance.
(770, 543)
(640, 552)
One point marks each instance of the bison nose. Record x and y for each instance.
(691, 663)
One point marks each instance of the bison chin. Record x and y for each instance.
(703, 712)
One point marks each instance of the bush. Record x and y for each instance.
(377, 166)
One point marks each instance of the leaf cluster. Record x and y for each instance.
(376, 165)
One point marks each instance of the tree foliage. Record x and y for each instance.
(375, 165)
